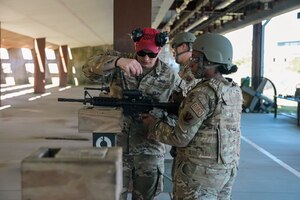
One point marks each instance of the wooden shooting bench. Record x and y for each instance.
(296, 99)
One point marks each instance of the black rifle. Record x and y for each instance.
(102, 89)
(133, 102)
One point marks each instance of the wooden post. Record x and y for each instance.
(128, 15)
(39, 65)
(256, 54)
(62, 66)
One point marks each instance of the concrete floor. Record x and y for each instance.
(270, 149)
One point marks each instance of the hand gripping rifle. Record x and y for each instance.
(133, 102)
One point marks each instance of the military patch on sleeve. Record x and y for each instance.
(187, 117)
(198, 109)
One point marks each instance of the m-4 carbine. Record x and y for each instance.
(133, 102)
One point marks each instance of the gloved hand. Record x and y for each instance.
(176, 97)
(173, 151)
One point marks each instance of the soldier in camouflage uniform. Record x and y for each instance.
(182, 45)
(182, 50)
(207, 133)
(143, 160)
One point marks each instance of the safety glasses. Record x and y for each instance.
(196, 60)
(150, 55)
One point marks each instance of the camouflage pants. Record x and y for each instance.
(202, 183)
(146, 173)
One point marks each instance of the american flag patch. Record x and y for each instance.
(198, 109)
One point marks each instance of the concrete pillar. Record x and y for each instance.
(128, 15)
(18, 66)
(0, 63)
(62, 65)
(39, 65)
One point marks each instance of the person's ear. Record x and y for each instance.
(159, 50)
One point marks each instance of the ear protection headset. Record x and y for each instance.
(161, 38)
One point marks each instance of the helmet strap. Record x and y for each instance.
(178, 54)
(212, 65)
(190, 46)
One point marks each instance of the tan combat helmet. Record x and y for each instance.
(216, 48)
(184, 37)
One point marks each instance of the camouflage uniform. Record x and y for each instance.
(143, 160)
(186, 74)
(190, 81)
(207, 136)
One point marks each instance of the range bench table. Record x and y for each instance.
(296, 99)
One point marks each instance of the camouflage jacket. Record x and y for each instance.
(186, 74)
(208, 127)
(158, 83)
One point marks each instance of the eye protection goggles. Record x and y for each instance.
(197, 59)
(149, 54)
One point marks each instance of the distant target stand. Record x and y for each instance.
(104, 139)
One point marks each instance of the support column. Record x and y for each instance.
(18, 66)
(128, 15)
(0, 63)
(62, 66)
(256, 54)
(39, 65)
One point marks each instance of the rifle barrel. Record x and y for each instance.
(71, 100)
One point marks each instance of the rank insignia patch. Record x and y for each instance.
(198, 109)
